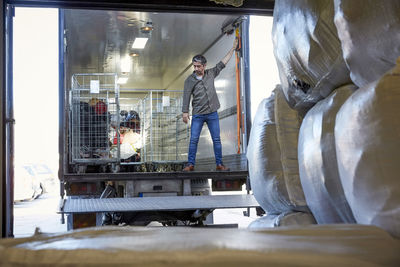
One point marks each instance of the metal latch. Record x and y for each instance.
(10, 121)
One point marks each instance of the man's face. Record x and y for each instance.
(199, 68)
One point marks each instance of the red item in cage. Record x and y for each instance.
(121, 138)
(100, 108)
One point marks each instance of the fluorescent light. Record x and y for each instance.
(122, 80)
(220, 83)
(126, 64)
(139, 43)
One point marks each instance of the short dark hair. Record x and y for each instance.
(200, 59)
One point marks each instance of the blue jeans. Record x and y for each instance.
(212, 121)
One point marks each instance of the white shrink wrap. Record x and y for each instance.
(264, 159)
(283, 219)
(369, 31)
(367, 135)
(308, 51)
(274, 192)
(319, 172)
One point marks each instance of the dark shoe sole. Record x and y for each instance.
(188, 170)
(223, 170)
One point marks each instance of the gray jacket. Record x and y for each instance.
(205, 99)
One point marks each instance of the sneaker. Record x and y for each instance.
(188, 168)
(221, 167)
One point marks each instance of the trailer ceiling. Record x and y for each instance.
(98, 41)
(99, 34)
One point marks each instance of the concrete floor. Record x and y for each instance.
(42, 213)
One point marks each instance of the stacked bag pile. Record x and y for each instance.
(367, 131)
(308, 51)
(273, 164)
(318, 161)
(337, 64)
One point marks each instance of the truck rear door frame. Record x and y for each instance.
(249, 7)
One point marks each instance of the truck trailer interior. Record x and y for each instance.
(126, 132)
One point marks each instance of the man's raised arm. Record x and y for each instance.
(228, 56)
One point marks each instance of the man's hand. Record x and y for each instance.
(235, 44)
(185, 117)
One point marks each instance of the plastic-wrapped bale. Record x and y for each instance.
(308, 51)
(283, 219)
(367, 136)
(318, 167)
(288, 124)
(276, 185)
(264, 157)
(369, 31)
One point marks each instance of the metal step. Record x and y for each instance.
(215, 175)
(157, 203)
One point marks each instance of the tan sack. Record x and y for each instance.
(369, 31)
(308, 51)
(283, 219)
(319, 172)
(367, 135)
(276, 185)
(311, 246)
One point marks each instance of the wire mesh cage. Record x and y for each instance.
(107, 126)
(130, 134)
(165, 137)
(94, 115)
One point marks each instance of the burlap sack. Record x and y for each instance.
(311, 246)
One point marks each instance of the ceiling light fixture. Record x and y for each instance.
(147, 28)
(122, 80)
(126, 64)
(139, 43)
(134, 54)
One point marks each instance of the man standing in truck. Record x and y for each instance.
(205, 103)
